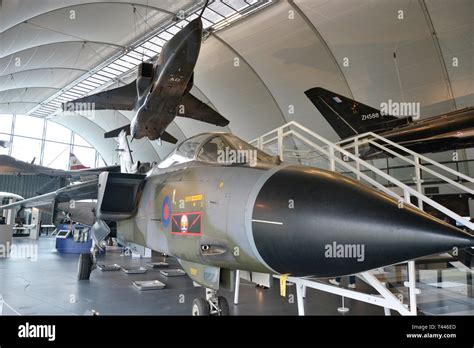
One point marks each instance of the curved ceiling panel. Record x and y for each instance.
(367, 33)
(454, 25)
(55, 78)
(81, 24)
(16, 107)
(236, 92)
(19, 95)
(285, 52)
(76, 55)
(14, 12)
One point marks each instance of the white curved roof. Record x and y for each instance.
(281, 51)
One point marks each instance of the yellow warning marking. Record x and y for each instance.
(283, 285)
(194, 271)
(194, 198)
(221, 185)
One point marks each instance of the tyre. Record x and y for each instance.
(223, 305)
(200, 307)
(85, 266)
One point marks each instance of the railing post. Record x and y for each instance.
(412, 286)
(332, 161)
(280, 142)
(356, 152)
(418, 180)
(260, 143)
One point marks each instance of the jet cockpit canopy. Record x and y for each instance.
(218, 148)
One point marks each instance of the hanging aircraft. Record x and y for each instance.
(218, 204)
(450, 131)
(160, 92)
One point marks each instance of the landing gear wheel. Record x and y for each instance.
(86, 262)
(200, 307)
(223, 306)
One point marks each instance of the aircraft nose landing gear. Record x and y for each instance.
(87, 263)
(212, 305)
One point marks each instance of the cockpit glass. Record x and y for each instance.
(184, 153)
(212, 150)
(188, 148)
(225, 149)
(252, 152)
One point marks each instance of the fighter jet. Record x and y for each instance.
(160, 92)
(218, 204)
(454, 130)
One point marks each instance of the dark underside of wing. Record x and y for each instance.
(199, 111)
(122, 98)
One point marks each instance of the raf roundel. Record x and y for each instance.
(166, 212)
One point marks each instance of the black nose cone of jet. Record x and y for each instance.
(308, 221)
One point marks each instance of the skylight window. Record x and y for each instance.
(218, 15)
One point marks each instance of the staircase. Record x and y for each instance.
(295, 143)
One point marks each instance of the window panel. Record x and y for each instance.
(85, 155)
(56, 155)
(56, 132)
(29, 126)
(25, 149)
(6, 123)
(78, 140)
(3, 150)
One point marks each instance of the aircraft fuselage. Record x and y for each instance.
(451, 131)
(159, 104)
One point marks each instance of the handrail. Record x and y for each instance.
(335, 154)
(411, 152)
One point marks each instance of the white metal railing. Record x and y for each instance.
(388, 146)
(351, 162)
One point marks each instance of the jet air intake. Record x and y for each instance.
(145, 77)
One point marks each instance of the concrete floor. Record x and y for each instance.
(46, 284)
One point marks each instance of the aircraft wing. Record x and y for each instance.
(76, 192)
(122, 98)
(10, 165)
(197, 110)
